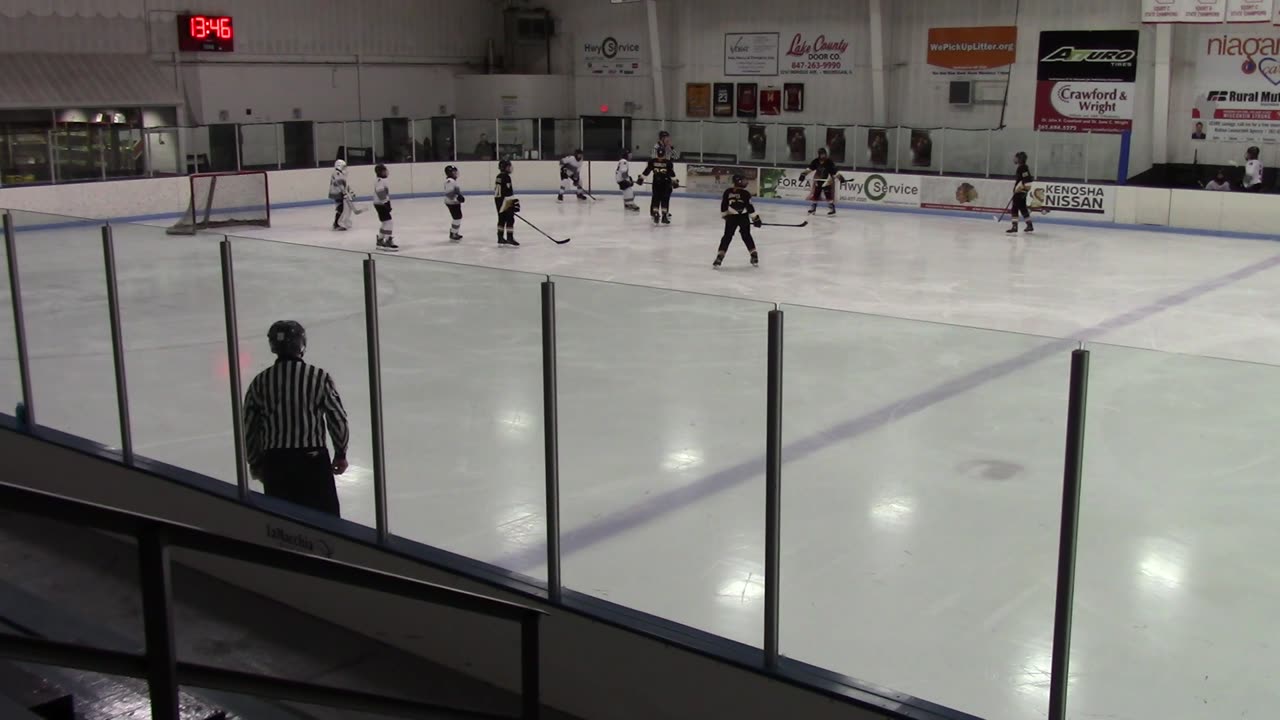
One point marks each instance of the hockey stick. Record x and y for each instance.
(1005, 211)
(535, 227)
(765, 224)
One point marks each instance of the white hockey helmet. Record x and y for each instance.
(340, 165)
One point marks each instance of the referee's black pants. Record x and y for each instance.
(303, 477)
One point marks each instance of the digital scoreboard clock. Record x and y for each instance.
(206, 33)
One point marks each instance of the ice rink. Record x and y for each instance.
(926, 361)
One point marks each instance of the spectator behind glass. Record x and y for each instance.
(1219, 183)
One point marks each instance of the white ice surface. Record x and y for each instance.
(923, 461)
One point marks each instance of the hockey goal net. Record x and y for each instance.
(222, 199)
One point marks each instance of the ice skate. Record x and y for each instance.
(755, 259)
(1013, 229)
(389, 245)
(455, 236)
(719, 259)
(1030, 227)
(832, 211)
(813, 209)
(560, 197)
(656, 219)
(666, 219)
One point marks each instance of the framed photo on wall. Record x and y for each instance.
(697, 100)
(793, 97)
(770, 101)
(747, 99)
(723, 100)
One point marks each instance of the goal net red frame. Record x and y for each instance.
(223, 199)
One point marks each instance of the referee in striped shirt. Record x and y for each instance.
(287, 410)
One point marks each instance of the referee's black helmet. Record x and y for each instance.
(288, 338)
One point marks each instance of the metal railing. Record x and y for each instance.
(159, 665)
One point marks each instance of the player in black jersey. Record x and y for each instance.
(505, 202)
(739, 215)
(664, 181)
(825, 176)
(1021, 186)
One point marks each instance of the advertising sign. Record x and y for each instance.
(984, 53)
(817, 54)
(1236, 82)
(614, 55)
(992, 196)
(1085, 80)
(697, 100)
(858, 187)
(750, 54)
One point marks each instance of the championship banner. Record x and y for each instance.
(618, 54)
(715, 179)
(1183, 11)
(749, 54)
(1096, 202)
(858, 188)
(1249, 11)
(817, 54)
(1236, 82)
(1085, 80)
(984, 53)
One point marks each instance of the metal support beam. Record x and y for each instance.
(1068, 531)
(773, 491)
(375, 399)
(117, 344)
(233, 367)
(28, 415)
(655, 55)
(879, 106)
(551, 439)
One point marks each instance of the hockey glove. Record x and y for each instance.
(803, 175)
(727, 214)
(640, 180)
(461, 199)
(511, 205)
(675, 184)
(755, 220)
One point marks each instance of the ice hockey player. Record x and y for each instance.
(739, 215)
(506, 203)
(382, 204)
(1252, 181)
(453, 200)
(1021, 187)
(340, 193)
(571, 175)
(664, 181)
(625, 183)
(825, 177)
(664, 143)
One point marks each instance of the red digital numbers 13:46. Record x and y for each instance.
(204, 28)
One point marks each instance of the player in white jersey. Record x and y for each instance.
(340, 193)
(1252, 170)
(453, 200)
(625, 182)
(382, 204)
(571, 175)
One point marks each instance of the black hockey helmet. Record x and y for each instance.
(287, 338)
(578, 153)
(504, 165)
(663, 134)
(822, 151)
(1020, 157)
(380, 170)
(625, 154)
(740, 181)
(450, 171)
(1252, 152)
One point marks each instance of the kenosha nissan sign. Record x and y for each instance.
(1085, 80)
